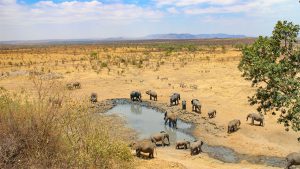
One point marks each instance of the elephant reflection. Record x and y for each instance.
(136, 109)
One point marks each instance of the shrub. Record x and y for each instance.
(39, 134)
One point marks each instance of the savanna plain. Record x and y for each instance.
(44, 123)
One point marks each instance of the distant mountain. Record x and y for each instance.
(191, 36)
(171, 36)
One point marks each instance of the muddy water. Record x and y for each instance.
(147, 121)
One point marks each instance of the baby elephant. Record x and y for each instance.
(196, 147)
(233, 125)
(182, 144)
(212, 113)
(196, 105)
(152, 94)
(144, 147)
(292, 159)
(94, 97)
(76, 85)
(256, 117)
(156, 137)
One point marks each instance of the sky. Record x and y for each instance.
(95, 19)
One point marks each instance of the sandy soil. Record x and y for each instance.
(219, 86)
(181, 159)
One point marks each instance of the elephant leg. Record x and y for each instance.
(252, 121)
(288, 165)
(170, 123)
(166, 121)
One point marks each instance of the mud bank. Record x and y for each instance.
(222, 153)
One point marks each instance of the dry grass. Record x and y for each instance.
(36, 132)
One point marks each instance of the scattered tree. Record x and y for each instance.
(273, 66)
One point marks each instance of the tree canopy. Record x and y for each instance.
(272, 64)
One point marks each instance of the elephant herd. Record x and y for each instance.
(234, 125)
(174, 100)
(149, 146)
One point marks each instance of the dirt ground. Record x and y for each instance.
(216, 83)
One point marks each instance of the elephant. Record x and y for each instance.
(196, 147)
(152, 94)
(55, 102)
(174, 98)
(182, 144)
(172, 118)
(161, 136)
(196, 105)
(292, 159)
(256, 117)
(76, 85)
(233, 125)
(69, 86)
(144, 147)
(136, 96)
(94, 97)
(212, 113)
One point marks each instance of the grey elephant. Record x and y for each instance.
(196, 147)
(136, 96)
(172, 118)
(76, 85)
(55, 102)
(212, 113)
(182, 144)
(292, 159)
(94, 97)
(256, 117)
(152, 94)
(196, 105)
(233, 125)
(144, 147)
(69, 86)
(174, 98)
(161, 136)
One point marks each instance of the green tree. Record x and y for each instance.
(273, 66)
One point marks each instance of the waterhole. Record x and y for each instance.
(146, 121)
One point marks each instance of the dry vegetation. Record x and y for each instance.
(39, 133)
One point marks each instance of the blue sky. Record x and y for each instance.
(76, 19)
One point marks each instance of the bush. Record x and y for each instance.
(41, 134)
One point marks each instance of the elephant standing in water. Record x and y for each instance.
(172, 118)
(144, 147)
(256, 117)
(196, 105)
(292, 159)
(196, 147)
(136, 96)
(233, 125)
(160, 137)
(152, 94)
(182, 144)
(174, 98)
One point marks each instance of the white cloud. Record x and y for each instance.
(181, 3)
(196, 7)
(13, 13)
